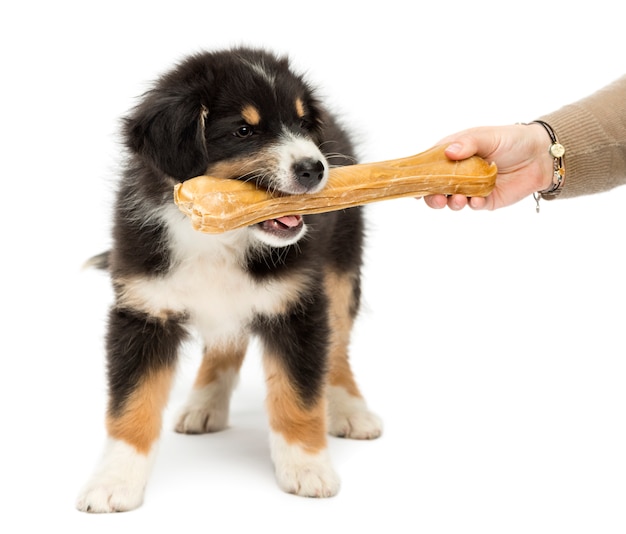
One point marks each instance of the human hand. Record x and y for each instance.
(521, 153)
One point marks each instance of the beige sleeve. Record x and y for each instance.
(593, 132)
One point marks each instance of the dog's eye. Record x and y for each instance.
(244, 131)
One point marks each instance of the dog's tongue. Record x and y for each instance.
(290, 221)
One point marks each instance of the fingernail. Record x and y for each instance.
(454, 148)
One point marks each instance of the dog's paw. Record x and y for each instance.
(201, 420)
(308, 480)
(349, 417)
(206, 410)
(119, 483)
(106, 496)
(357, 425)
(301, 473)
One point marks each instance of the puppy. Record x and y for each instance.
(293, 282)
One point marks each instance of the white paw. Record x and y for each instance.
(119, 483)
(103, 495)
(201, 421)
(358, 425)
(348, 416)
(302, 473)
(204, 412)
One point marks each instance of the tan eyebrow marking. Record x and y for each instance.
(300, 108)
(251, 115)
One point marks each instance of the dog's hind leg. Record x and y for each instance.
(142, 353)
(208, 404)
(348, 414)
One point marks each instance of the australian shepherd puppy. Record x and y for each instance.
(292, 282)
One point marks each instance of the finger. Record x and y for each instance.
(477, 203)
(436, 202)
(475, 141)
(461, 149)
(457, 202)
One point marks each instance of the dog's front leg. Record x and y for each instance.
(298, 440)
(295, 366)
(141, 354)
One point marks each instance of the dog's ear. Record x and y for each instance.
(167, 129)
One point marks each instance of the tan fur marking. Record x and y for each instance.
(251, 115)
(300, 108)
(297, 425)
(129, 293)
(262, 163)
(218, 360)
(339, 290)
(139, 424)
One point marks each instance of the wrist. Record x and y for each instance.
(545, 160)
(557, 151)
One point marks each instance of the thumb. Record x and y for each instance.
(481, 141)
(461, 148)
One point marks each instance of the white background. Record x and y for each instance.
(491, 343)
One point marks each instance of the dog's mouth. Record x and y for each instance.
(285, 227)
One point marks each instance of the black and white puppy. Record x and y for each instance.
(293, 282)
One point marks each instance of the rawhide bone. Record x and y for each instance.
(216, 205)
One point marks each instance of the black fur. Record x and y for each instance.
(181, 127)
(300, 337)
(293, 282)
(140, 344)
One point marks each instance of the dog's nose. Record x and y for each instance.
(309, 172)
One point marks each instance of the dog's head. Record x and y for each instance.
(239, 114)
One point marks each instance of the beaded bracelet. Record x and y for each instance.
(557, 151)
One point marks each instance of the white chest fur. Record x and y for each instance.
(208, 282)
